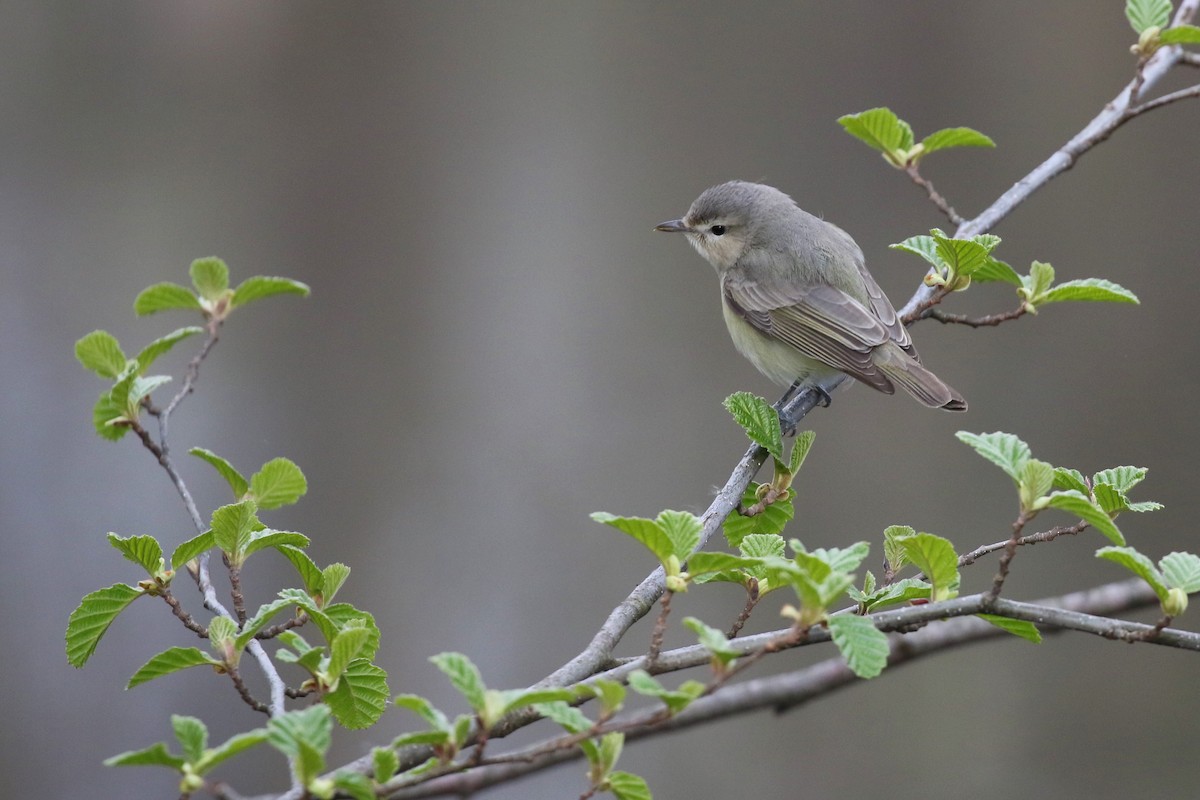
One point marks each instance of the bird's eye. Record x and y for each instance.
(717, 230)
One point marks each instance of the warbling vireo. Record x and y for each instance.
(797, 297)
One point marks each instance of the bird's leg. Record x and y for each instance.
(796, 384)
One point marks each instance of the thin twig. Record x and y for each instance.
(752, 598)
(1010, 552)
(184, 617)
(990, 320)
(257, 705)
(1190, 59)
(939, 201)
(1166, 99)
(660, 629)
(966, 559)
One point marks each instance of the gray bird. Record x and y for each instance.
(797, 297)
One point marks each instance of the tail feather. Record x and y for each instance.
(915, 379)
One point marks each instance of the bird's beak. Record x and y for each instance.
(673, 226)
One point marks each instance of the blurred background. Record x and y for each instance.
(497, 344)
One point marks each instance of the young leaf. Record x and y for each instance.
(954, 137)
(261, 286)
(772, 520)
(464, 676)
(156, 755)
(108, 413)
(260, 540)
(232, 526)
(425, 710)
(627, 786)
(1002, 449)
(191, 548)
(882, 130)
(801, 444)
(762, 545)
(844, 559)
(361, 695)
(343, 649)
(714, 641)
(91, 619)
(1139, 565)
(758, 420)
(646, 531)
(1093, 290)
(229, 748)
(1120, 478)
(236, 481)
(683, 529)
(343, 615)
(902, 591)
(1080, 505)
(1181, 571)
(1143, 14)
(1180, 34)
(261, 617)
(610, 693)
(1070, 479)
(171, 660)
(311, 726)
(144, 551)
(922, 246)
(163, 297)
(385, 763)
(100, 352)
(642, 683)
(158, 347)
(332, 578)
(192, 736)
(571, 719)
(864, 646)
(355, 784)
(995, 270)
(1017, 627)
(210, 276)
(280, 482)
(935, 557)
(1037, 478)
(894, 552)
(705, 562)
(964, 256)
(310, 574)
(1041, 276)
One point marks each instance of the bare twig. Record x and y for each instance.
(184, 617)
(242, 689)
(1010, 552)
(966, 559)
(1166, 100)
(660, 629)
(1190, 59)
(975, 322)
(752, 598)
(939, 201)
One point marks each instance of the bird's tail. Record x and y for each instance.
(905, 371)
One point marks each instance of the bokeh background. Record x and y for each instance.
(497, 344)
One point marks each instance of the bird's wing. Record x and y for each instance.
(821, 322)
(886, 314)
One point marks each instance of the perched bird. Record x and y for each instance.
(797, 297)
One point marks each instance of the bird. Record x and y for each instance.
(797, 297)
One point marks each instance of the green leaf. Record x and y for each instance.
(801, 444)
(435, 738)
(355, 784)
(261, 286)
(1144, 506)
(310, 573)
(265, 538)
(571, 719)
(881, 130)
(642, 683)
(954, 137)
(144, 551)
(142, 387)
(108, 412)
(758, 420)
(1180, 34)
(1041, 276)
(361, 695)
(1120, 478)
(230, 748)
(1070, 479)
(210, 276)
(1080, 505)
(683, 529)
(156, 755)
(191, 548)
(222, 631)
(164, 297)
(894, 552)
(171, 660)
(1002, 449)
(464, 676)
(627, 786)
(964, 256)
(261, 617)
(611, 745)
(844, 559)
(1017, 627)
(232, 526)
(646, 531)
(864, 646)
(1139, 565)
(1037, 478)
(100, 352)
(994, 270)
(343, 649)
(713, 641)
(192, 736)
(1092, 290)
(91, 619)
(762, 545)
(236, 481)
(344, 614)
(423, 709)
(311, 726)
(517, 699)
(902, 591)
(772, 520)
(923, 246)
(705, 562)
(385, 763)
(1143, 14)
(158, 347)
(279, 483)
(332, 578)
(1181, 571)
(610, 693)
(935, 557)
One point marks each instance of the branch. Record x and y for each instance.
(939, 201)
(991, 320)
(1166, 99)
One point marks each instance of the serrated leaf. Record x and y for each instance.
(144, 551)
(143, 387)
(758, 419)
(1041, 276)
(994, 270)
(1003, 449)
(221, 632)
(864, 646)
(385, 763)
(935, 557)
(344, 614)
(705, 562)
(1080, 505)
(192, 736)
(311, 726)
(1017, 627)
(712, 640)
(435, 738)
(92, 617)
(310, 573)
(261, 617)
(332, 578)
(881, 130)
(261, 286)
(646, 531)
(642, 683)
(423, 709)
(1037, 478)
(210, 276)
(923, 246)
(902, 591)
(1144, 506)
(801, 444)
(280, 482)
(964, 256)
(355, 784)
(844, 559)
(1181, 571)
(893, 552)
(343, 649)
(230, 748)
(1139, 565)
(464, 676)
(610, 747)
(517, 699)
(164, 297)
(762, 545)
(773, 519)
(627, 786)
(107, 412)
(571, 719)
(361, 695)
(237, 482)
(684, 529)
(611, 693)
(260, 540)
(156, 755)
(232, 526)
(151, 352)
(1143, 14)
(171, 660)
(955, 137)
(101, 353)
(1120, 478)
(1111, 501)
(1070, 479)
(1180, 34)
(191, 548)
(1090, 290)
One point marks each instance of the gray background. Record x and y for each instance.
(497, 345)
